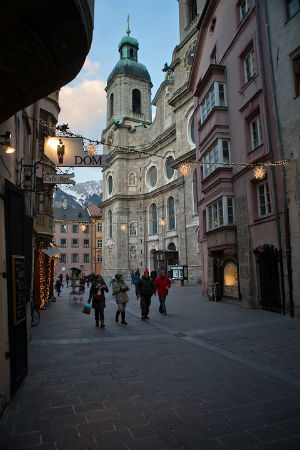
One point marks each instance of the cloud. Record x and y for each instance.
(83, 106)
(89, 69)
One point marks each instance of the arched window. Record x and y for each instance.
(109, 224)
(136, 101)
(172, 247)
(153, 219)
(111, 109)
(110, 184)
(131, 53)
(192, 10)
(169, 169)
(171, 213)
(193, 129)
(195, 192)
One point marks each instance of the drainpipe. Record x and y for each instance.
(271, 154)
(286, 208)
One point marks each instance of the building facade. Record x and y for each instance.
(149, 209)
(95, 214)
(241, 212)
(72, 236)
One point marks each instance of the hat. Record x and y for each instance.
(146, 272)
(118, 276)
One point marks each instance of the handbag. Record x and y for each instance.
(87, 308)
(98, 298)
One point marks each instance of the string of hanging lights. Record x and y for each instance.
(259, 169)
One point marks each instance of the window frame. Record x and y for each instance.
(212, 100)
(99, 227)
(217, 213)
(217, 149)
(257, 119)
(99, 241)
(171, 217)
(66, 243)
(241, 14)
(64, 228)
(153, 222)
(75, 245)
(84, 243)
(109, 224)
(295, 75)
(86, 258)
(110, 184)
(72, 257)
(250, 54)
(76, 227)
(267, 200)
(65, 255)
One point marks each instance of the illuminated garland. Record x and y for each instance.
(44, 275)
(184, 168)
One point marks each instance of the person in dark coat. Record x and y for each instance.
(97, 290)
(67, 280)
(136, 280)
(153, 275)
(58, 286)
(145, 289)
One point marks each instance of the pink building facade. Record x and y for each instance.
(72, 235)
(241, 218)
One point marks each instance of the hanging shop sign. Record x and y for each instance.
(64, 178)
(69, 152)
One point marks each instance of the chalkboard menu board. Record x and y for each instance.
(18, 288)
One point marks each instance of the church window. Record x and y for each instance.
(192, 10)
(110, 184)
(131, 53)
(169, 169)
(192, 129)
(111, 104)
(136, 101)
(171, 213)
(153, 219)
(109, 224)
(153, 176)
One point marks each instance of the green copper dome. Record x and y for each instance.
(128, 67)
(128, 40)
(128, 64)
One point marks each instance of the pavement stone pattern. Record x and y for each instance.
(208, 376)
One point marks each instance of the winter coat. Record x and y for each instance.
(97, 290)
(136, 277)
(119, 290)
(161, 284)
(153, 275)
(145, 287)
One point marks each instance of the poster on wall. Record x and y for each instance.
(70, 152)
(18, 288)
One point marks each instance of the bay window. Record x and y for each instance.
(216, 96)
(220, 213)
(219, 153)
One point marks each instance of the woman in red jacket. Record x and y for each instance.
(162, 285)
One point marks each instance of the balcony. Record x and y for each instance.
(43, 224)
(43, 47)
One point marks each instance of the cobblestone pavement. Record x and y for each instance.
(208, 376)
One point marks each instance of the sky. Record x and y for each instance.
(154, 24)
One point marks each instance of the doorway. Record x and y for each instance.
(268, 260)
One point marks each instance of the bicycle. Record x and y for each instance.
(211, 291)
(35, 314)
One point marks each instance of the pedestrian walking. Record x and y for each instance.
(61, 277)
(67, 280)
(132, 276)
(162, 286)
(136, 280)
(58, 286)
(146, 288)
(120, 289)
(97, 290)
(153, 275)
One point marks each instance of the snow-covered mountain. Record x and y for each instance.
(80, 195)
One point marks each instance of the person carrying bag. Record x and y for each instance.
(98, 299)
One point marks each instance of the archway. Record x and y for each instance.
(230, 279)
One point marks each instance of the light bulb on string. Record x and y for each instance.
(83, 227)
(259, 172)
(185, 169)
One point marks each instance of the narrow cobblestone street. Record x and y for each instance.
(208, 376)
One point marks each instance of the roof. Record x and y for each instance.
(129, 67)
(71, 215)
(94, 210)
(128, 40)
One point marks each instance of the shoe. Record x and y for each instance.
(143, 318)
(102, 324)
(124, 322)
(97, 323)
(165, 314)
(147, 317)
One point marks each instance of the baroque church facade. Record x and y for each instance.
(150, 210)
